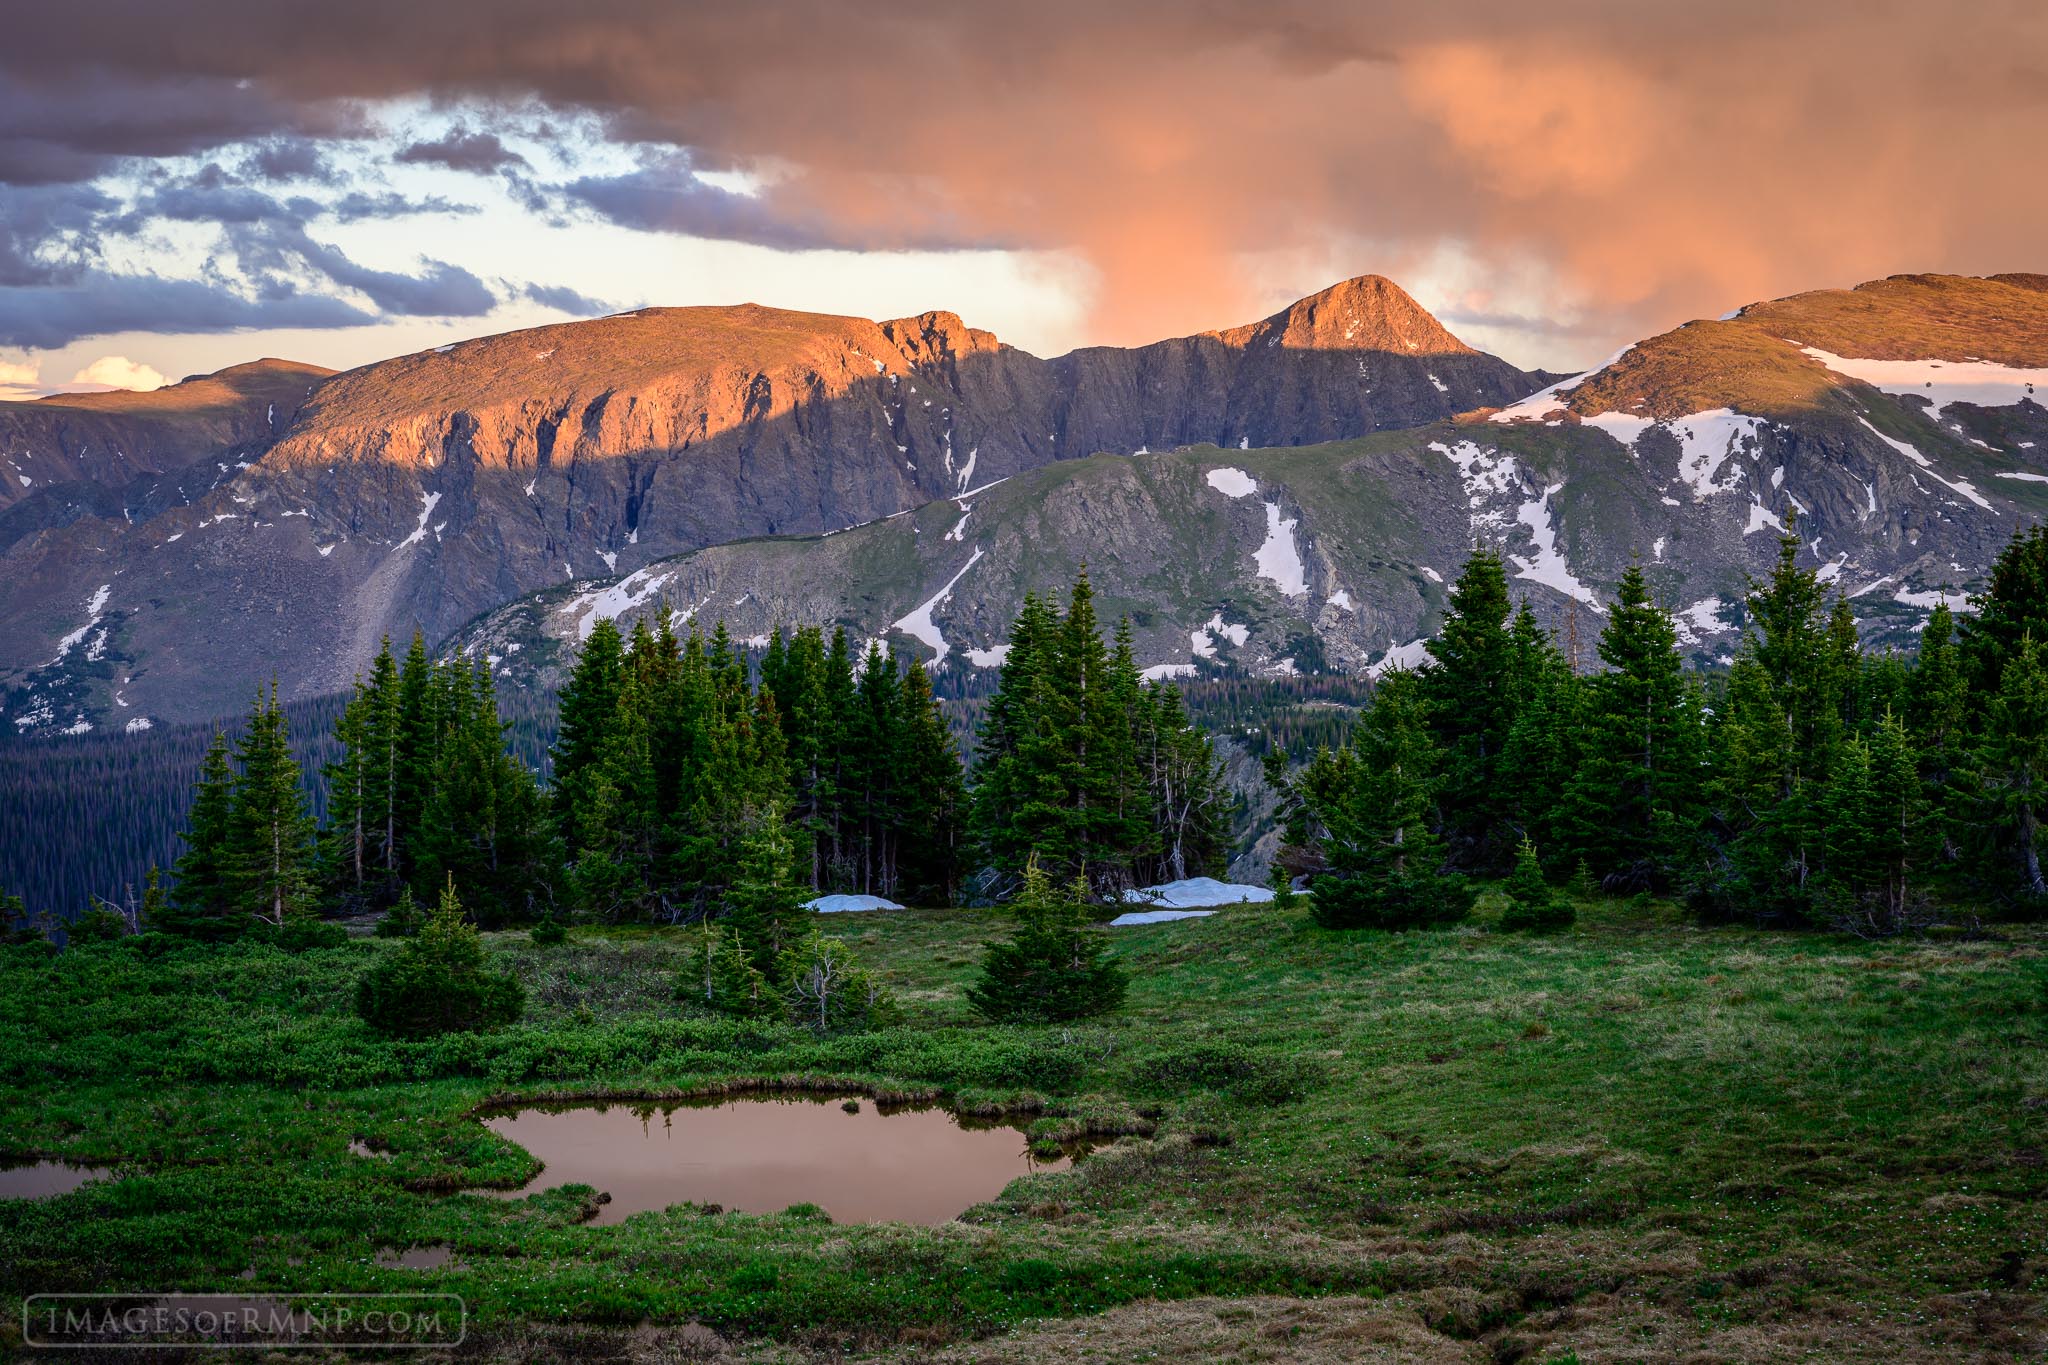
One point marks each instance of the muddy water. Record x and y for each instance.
(762, 1155)
(45, 1178)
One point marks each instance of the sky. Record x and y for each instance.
(186, 186)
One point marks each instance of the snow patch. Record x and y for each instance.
(609, 602)
(2024, 478)
(1912, 453)
(1762, 518)
(1539, 405)
(1928, 601)
(1942, 382)
(1701, 618)
(1279, 559)
(1196, 891)
(1156, 917)
(1232, 483)
(1707, 440)
(832, 905)
(919, 624)
(610, 558)
(426, 510)
(1412, 655)
(1341, 599)
(1548, 567)
(991, 657)
(1164, 672)
(138, 725)
(1203, 639)
(94, 606)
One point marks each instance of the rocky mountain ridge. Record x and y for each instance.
(429, 488)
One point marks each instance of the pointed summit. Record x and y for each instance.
(1369, 313)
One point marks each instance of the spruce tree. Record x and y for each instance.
(1472, 688)
(439, 981)
(202, 903)
(2013, 759)
(1386, 863)
(764, 907)
(585, 711)
(271, 857)
(1874, 835)
(934, 807)
(1053, 968)
(347, 859)
(1534, 906)
(1633, 794)
(721, 977)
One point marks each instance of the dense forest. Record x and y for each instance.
(1812, 782)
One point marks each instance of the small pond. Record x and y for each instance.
(43, 1179)
(858, 1162)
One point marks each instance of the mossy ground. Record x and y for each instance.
(1637, 1140)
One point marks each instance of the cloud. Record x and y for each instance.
(119, 372)
(19, 380)
(98, 303)
(1638, 163)
(566, 300)
(462, 150)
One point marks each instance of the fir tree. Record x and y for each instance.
(1874, 816)
(585, 712)
(1054, 968)
(1533, 905)
(202, 901)
(1386, 864)
(1472, 688)
(2014, 761)
(439, 981)
(934, 808)
(722, 977)
(270, 836)
(1633, 793)
(764, 907)
(828, 991)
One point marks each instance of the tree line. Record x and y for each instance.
(1814, 781)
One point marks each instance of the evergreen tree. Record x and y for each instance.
(1632, 798)
(585, 711)
(2012, 608)
(1054, 968)
(765, 905)
(721, 976)
(1533, 905)
(202, 901)
(439, 981)
(934, 807)
(1874, 813)
(1186, 796)
(270, 837)
(2014, 762)
(1542, 752)
(347, 865)
(1472, 689)
(1386, 863)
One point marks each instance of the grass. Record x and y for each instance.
(1637, 1140)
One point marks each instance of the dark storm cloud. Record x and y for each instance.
(462, 150)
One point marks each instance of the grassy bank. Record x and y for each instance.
(1637, 1140)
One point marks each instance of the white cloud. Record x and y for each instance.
(119, 372)
(19, 381)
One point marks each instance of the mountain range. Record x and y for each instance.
(1288, 495)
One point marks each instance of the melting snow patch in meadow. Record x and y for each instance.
(1943, 382)
(93, 607)
(1232, 483)
(1912, 453)
(427, 510)
(919, 624)
(832, 905)
(1279, 559)
(1196, 891)
(1203, 639)
(608, 603)
(1412, 655)
(1156, 917)
(1548, 567)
